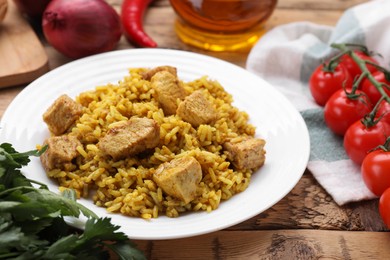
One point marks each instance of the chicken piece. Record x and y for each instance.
(131, 137)
(150, 73)
(249, 153)
(179, 178)
(196, 109)
(62, 114)
(167, 91)
(60, 152)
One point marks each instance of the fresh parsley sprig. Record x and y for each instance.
(32, 224)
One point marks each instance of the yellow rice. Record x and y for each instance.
(126, 186)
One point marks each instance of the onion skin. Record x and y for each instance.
(79, 28)
(32, 8)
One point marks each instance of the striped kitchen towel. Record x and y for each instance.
(286, 56)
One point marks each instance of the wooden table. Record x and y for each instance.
(305, 224)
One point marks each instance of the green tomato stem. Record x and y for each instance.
(363, 66)
(333, 62)
(356, 83)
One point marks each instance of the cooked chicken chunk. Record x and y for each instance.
(249, 153)
(130, 137)
(62, 114)
(196, 109)
(179, 178)
(167, 91)
(61, 151)
(150, 73)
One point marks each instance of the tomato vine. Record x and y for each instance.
(360, 112)
(362, 63)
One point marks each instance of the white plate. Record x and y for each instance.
(276, 120)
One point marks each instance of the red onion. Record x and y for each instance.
(32, 8)
(79, 28)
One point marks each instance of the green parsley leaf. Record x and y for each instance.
(32, 224)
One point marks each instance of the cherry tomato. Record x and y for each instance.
(359, 139)
(376, 171)
(371, 91)
(384, 207)
(323, 84)
(384, 111)
(352, 67)
(340, 111)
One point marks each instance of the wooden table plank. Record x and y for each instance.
(280, 244)
(307, 5)
(6, 97)
(309, 206)
(306, 223)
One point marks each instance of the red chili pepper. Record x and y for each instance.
(132, 15)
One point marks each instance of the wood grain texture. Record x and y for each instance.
(6, 97)
(309, 206)
(306, 223)
(22, 55)
(280, 244)
(324, 5)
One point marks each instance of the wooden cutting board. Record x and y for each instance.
(22, 55)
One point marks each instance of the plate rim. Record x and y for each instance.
(186, 54)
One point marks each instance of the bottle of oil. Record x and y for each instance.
(222, 25)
